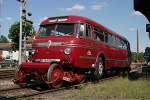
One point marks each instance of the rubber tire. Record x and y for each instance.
(97, 71)
(50, 71)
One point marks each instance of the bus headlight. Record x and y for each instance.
(67, 51)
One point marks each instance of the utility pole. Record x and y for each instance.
(23, 23)
(22, 19)
(137, 34)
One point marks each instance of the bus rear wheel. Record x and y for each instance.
(99, 70)
(54, 76)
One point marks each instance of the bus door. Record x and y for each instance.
(87, 51)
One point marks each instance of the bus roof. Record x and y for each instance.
(81, 19)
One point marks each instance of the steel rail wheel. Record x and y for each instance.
(19, 75)
(55, 75)
(99, 70)
(20, 78)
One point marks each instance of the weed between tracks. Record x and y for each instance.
(116, 89)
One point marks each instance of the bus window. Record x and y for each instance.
(99, 34)
(88, 30)
(93, 36)
(110, 39)
(80, 29)
(65, 29)
(46, 30)
(106, 37)
(118, 43)
(124, 46)
(61, 29)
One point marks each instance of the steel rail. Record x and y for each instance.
(9, 89)
(64, 88)
(77, 86)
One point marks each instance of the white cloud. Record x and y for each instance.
(5, 19)
(97, 7)
(8, 18)
(132, 29)
(137, 13)
(79, 7)
(76, 8)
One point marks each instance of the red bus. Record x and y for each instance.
(69, 47)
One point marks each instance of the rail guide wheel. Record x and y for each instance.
(55, 75)
(19, 77)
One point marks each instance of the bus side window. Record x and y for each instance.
(93, 36)
(81, 29)
(106, 37)
(114, 40)
(88, 31)
(110, 39)
(119, 43)
(99, 34)
(124, 46)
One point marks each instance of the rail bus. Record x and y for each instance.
(67, 48)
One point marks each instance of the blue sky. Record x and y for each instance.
(118, 15)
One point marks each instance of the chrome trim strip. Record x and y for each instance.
(80, 46)
(87, 57)
(49, 44)
(116, 60)
(58, 44)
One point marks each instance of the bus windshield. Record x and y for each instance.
(60, 29)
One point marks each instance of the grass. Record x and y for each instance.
(116, 89)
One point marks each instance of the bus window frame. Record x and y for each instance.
(78, 30)
(101, 32)
(90, 31)
(73, 34)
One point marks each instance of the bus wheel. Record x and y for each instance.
(99, 70)
(54, 76)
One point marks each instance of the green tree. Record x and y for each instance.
(3, 39)
(28, 30)
(137, 57)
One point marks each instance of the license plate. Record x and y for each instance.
(66, 79)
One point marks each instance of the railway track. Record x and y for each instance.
(18, 92)
(7, 73)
